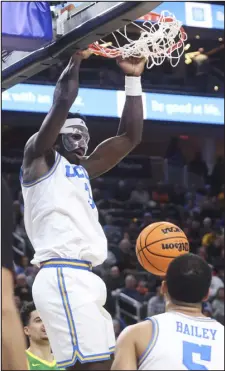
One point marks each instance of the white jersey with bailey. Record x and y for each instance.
(61, 218)
(181, 342)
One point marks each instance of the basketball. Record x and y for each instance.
(158, 244)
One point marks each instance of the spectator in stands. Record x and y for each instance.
(18, 302)
(139, 195)
(22, 289)
(207, 226)
(160, 194)
(147, 220)
(23, 265)
(217, 177)
(114, 280)
(198, 169)
(156, 304)
(123, 254)
(142, 288)
(202, 252)
(110, 261)
(177, 195)
(176, 161)
(207, 309)
(133, 230)
(194, 235)
(100, 202)
(220, 267)
(112, 232)
(131, 288)
(121, 193)
(215, 248)
(16, 213)
(31, 273)
(218, 305)
(209, 238)
(216, 284)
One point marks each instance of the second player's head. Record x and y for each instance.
(187, 280)
(33, 325)
(73, 137)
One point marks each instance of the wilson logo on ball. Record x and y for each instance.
(171, 229)
(181, 246)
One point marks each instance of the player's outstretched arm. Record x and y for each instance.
(65, 93)
(129, 134)
(13, 341)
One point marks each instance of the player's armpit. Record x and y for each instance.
(125, 354)
(110, 152)
(107, 155)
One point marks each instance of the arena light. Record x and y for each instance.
(184, 137)
(187, 46)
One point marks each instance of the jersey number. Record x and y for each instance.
(189, 349)
(90, 199)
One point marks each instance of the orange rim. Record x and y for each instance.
(98, 50)
(114, 53)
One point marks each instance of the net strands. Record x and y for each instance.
(160, 38)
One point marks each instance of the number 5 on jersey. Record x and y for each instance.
(189, 349)
(90, 199)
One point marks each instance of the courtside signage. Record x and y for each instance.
(109, 103)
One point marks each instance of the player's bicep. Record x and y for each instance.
(107, 154)
(125, 353)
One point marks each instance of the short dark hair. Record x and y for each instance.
(188, 279)
(26, 311)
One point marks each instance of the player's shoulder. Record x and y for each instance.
(29, 142)
(135, 332)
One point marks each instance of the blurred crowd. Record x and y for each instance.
(125, 208)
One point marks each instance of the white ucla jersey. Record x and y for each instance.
(181, 342)
(61, 218)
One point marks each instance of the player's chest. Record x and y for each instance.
(78, 183)
(75, 177)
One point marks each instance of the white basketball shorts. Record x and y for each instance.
(70, 299)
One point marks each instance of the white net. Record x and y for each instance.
(159, 40)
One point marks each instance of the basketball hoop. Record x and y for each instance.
(161, 36)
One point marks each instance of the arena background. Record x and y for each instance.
(175, 174)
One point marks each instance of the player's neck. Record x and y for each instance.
(42, 351)
(188, 309)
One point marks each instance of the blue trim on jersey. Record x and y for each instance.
(67, 263)
(77, 355)
(47, 175)
(112, 349)
(152, 342)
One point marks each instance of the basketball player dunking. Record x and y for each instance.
(61, 218)
(182, 338)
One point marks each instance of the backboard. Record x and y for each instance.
(87, 22)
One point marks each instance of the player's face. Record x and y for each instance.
(76, 142)
(35, 329)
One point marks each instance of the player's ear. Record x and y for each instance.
(164, 289)
(206, 297)
(26, 330)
